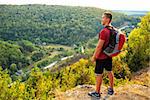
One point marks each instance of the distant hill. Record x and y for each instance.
(46, 24)
(132, 13)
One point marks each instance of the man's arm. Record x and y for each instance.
(98, 49)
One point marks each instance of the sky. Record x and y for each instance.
(140, 5)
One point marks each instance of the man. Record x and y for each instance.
(101, 59)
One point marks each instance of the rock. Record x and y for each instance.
(132, 90)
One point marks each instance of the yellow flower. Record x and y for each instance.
(21, 87)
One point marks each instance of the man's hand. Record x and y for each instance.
(93, 59)
(97, 50)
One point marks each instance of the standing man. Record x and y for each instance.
(101, 59)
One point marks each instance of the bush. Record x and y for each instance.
(139, 45)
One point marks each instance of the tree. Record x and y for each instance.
(13, 67)
(139, 45)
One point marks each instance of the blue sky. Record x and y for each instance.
(139, 5)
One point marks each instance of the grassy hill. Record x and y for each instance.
(46, 24)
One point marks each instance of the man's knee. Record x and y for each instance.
(110, 73)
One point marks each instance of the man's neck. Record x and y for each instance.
(107, 24)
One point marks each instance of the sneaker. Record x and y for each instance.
(94, 94)
(110, 91)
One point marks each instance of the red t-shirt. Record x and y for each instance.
(104, 35)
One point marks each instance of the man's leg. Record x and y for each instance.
(98, 72)
(98, 82)
(111, 79)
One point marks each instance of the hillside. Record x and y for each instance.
(138, 88)
(38, 35)
(132, 13)
(46, 24)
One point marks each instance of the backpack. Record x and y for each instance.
(116, 42)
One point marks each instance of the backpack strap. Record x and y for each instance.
(111, 28)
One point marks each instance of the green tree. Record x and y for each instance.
(13, 67)
(139, 45)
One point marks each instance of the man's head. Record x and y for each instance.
(106, 18)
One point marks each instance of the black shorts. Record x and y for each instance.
(101, 64)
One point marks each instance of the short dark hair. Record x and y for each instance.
(108, 15)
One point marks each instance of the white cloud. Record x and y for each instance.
(106, 4)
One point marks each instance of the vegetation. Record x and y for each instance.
(28, 31)
(25, 33)
(43, 24)
(139, 45)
